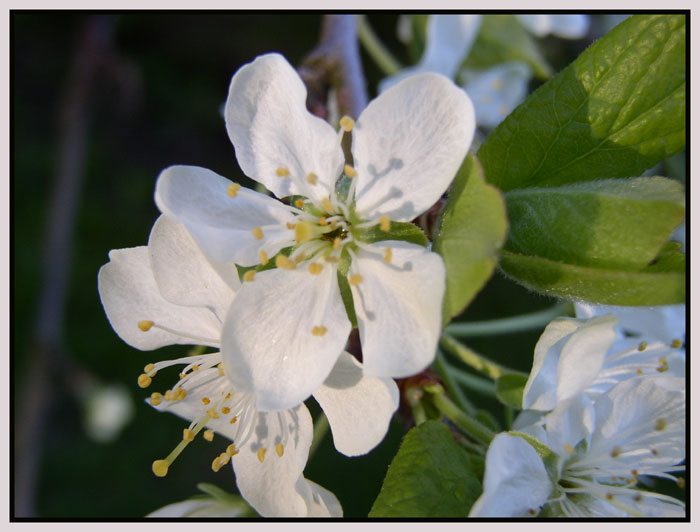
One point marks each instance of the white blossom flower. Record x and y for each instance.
(495, 91)
(169, 293)
(287, 326)
(108, 409)
(568, 26)
(639, 431)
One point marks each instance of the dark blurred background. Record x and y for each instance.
(101, 103)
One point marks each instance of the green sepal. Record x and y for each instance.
(344, 285)
(473, 226)
(430, 476)
(404, 231)
(510, 388)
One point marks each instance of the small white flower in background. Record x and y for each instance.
(169, 293)
(108, 408)
(639, 431)
(288, 325)
(564, 26)
(495, 91)
(204, 506)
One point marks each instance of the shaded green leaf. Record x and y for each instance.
(430, 476)
(502, 38)
(405, 231)
(509, 389)
(473, 227)
(615, 223)
(617, 110)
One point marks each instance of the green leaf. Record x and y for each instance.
(509, 389)
(502, 38)
(473, 227)
(617, 110)
(613, 223)
(405, 231)
(430, 476)
(660, 283)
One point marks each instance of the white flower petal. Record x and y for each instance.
(565, 26)
(570, 422)
(200, 507)
(182, 272)
(408, 145)
(130, 295)
(515, 479)
(358, 408)
(270, 486)
(319, 501)
(448, 40)
(398, 307)
(496, 91)
(270, 127)
(223, 225)
(268, 344)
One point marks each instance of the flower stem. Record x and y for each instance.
(445, 371)
(473, 359)
(383, 57)
(473, 382)
(467, 423)
(320, 429)
(413, 396)
(512, 324)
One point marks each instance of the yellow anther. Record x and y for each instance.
(384, 223)
(680, 482)
(676, 343)
(282, 172)
(322, 221)
(156, 398)
(233, 189)
(231, 450)
(387, 255)
(233, 420)
(532, 511)
(257, 233)
(144, 381)
(337, 241)
(332, 259)
(327, 205)
(655, 452)
(187, 435)
(616, 451)
(569, 449)
(228, 395)
(497, 84)
(311, 178)
(261, 454)
(195, 367)
(160, 468)
(350, 171)
(315, 268)
(216, 464)
(206, 400)
(220, 367)
(639, 371)
(303, 231)
(224, 458)
(149, 368)
(355, 279)
(285, 263)
(279, 449)
(225, 410)
(290, 225)
(642, 346)
(318, 330)
(663, 365)
(346, 123)
(301, 257)
(145, 325)
(180, 394)
(634, 473)
(660, 424)
(334, 224)
(609, 496)
(264, 259)
(638, 497)
(213, 413)
(299, 203)
(169, 395)
(209, 435)
(249, 276)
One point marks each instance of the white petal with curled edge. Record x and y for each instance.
(268, 345)
(319, 501)
(129, 295)
(398, 307)
(358, 408)
(408, 145)
(515, 479)
(270, 127)
(183, 273)
(270, 486)
(448, 39)
(223, 225)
